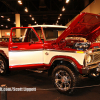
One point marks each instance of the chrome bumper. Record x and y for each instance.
(91, 68)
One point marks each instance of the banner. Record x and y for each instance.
(8, 33)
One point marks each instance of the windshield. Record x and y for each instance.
(52, 33)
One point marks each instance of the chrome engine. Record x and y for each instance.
(81, 46)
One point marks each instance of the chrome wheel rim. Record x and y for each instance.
(62, 80)
(1, 66)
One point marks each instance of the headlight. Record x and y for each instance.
(90, 51)
(88, 59)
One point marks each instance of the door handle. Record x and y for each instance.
(15, 47)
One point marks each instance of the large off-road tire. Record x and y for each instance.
(3, 66)
(64, 79)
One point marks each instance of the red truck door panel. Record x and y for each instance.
(25, 53)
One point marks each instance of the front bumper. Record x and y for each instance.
(91, 68)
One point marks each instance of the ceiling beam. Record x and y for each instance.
(71, 12)
(9, 6)
(34, 5)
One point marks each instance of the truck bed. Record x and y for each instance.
(4, 44)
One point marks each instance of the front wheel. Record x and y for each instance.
(64, 79)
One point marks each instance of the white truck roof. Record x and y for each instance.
(57, 26)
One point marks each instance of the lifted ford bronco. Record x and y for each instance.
(74, 52)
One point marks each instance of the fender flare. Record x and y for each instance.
(71, 60)
(3, 54)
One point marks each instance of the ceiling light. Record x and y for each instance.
(26, 10)
(60, 14)
(6, 26)
(1, 25)
(2, 16)
(35, 22)
(32, 18)
(8, 19)
(30, 15)
(20, 2)
(63, 8)
(58, 17)
(67, 1)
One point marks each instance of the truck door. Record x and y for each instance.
(27, 53)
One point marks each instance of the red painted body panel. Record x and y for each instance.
(67, 58)
(93, 45)
(4, 44)
(21, 67)
(25, 45)
(86, 25)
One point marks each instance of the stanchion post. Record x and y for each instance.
(3, 92)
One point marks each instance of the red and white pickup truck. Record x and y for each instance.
(64, 57)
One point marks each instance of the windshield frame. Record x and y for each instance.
(44, 35)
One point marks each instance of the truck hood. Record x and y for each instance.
(86, 25)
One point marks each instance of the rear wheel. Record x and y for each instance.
(64, 79)
(3, 66)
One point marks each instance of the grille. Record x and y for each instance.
(95, 57)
